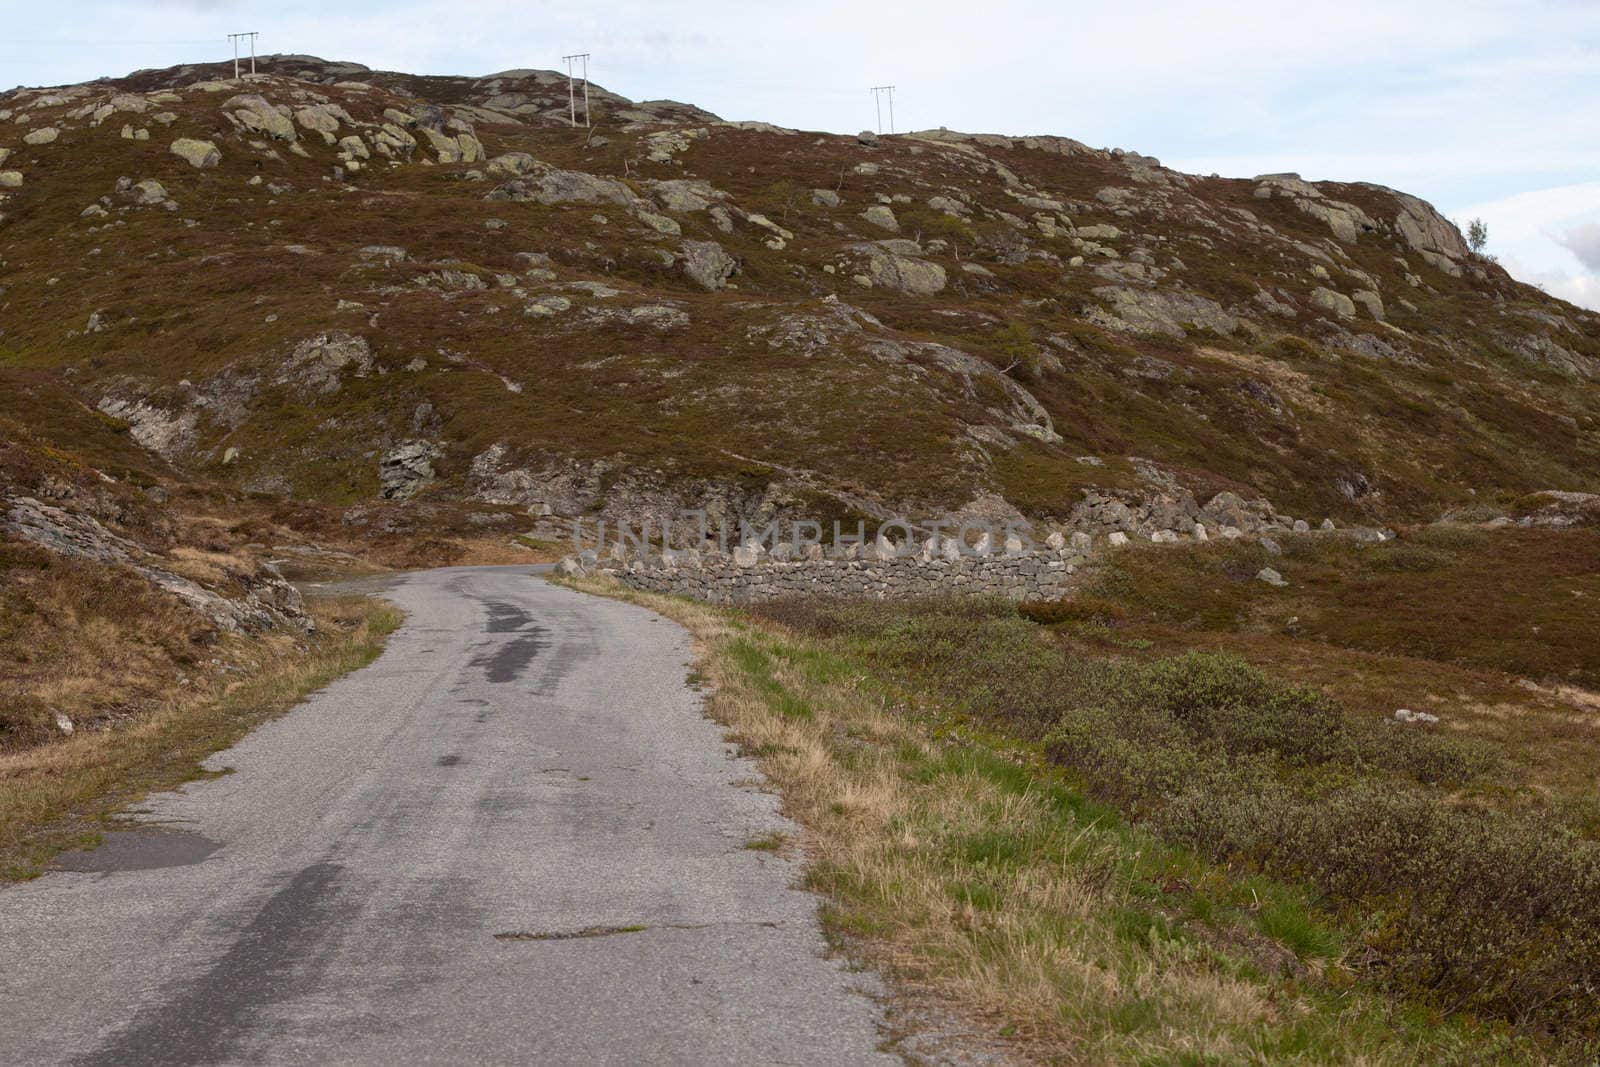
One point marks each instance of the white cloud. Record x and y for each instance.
(1584, 242)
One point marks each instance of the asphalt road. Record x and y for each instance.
(513, 839)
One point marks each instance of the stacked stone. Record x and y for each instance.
(1039, 575)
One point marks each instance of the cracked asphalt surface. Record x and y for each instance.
(512, 839)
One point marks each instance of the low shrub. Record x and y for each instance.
(1478, 911)
(1494, 914)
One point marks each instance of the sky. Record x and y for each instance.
(1487, 109)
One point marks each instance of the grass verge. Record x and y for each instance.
(59, 795)
(981, 878)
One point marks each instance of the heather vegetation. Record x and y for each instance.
(1456, 873)
(570, 339)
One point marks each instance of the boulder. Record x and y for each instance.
(257, 115)
(198, 154)
(867, 138)
(904, 274)
(1369, 300)
(1271, 577)
(10, 179)
(41, 136)
(707, 264)
(1338, 303)
(461, 148)
(149, 191)
(881, 216)
(512, 165)
(564, 187)
(819, 197)
(683, 195)
(659, 223)
(324, 119)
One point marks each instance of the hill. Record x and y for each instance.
(334, 285)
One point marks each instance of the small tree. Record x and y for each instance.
(1477, 235)
(1015, 342)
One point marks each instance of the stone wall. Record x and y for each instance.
(1039, 575)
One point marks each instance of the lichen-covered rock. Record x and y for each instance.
(321, 363)
(198, 154)
(685, 196)
(406, 469)
(564, 187)
(881, 216)
(1337, 303)
(512, 165)
(1159, 311)
(324, 119)
(257, 115)
(659, 223)
(707, 264)
(148, 191)
(905, 274)
(461, 148)
(44, 136)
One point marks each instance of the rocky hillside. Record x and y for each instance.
(335, 285)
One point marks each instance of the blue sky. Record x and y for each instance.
(1487, 109)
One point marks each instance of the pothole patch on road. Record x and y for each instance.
(142, 849)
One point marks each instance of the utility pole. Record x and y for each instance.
(234, 37)
(572, 92)
(877, 99)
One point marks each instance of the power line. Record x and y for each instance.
(234, 37)
(877, 99)
(63, 43)
(572, 97)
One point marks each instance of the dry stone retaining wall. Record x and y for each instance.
(1027, 576)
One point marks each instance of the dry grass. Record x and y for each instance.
(56, 795)
(975, 878)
